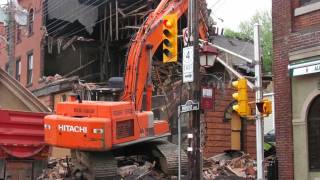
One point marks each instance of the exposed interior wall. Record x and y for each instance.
(79, 55)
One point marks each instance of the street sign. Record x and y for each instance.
(207, 98)
(187, 71)
(189, 106)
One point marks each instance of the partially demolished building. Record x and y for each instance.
(88, 41)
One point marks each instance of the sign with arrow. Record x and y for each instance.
(187, 71)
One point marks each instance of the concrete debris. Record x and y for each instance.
(57, 169)
(51, 79)
(234, 164)
(60, 169)
(136, 172)
(127, 170)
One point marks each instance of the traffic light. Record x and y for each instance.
(170, 38)
(265, 107)
(242, 107)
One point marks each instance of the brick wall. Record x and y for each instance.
(219, 130)
(281, 15)
(29, 43)
(307, 21)
(290, 33)
(304, 39)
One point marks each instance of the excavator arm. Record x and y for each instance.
(143, 47)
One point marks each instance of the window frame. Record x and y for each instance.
(30, 68)
(311, 160)
(18, 69)
(18, 35)
(6, 68)
(30, 22)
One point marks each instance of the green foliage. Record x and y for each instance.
(246, 33)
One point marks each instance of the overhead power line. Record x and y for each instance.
(81, 12)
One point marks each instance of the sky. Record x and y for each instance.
(235, 11)
(232, 11)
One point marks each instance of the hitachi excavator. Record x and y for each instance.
(97, 132)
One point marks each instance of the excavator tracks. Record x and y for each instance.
(103, 165)
(168, 158)
(94, 165)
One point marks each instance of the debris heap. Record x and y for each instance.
(57, 169)
(230, 165)
(61, 169)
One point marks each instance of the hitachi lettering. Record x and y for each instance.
(75, 129)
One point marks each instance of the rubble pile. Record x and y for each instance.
(57, 169)
(229, 165)
(144, 172)
(60, 169)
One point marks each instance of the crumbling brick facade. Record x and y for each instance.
(219, 129)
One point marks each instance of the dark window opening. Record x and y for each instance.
(18, 69)
(18, 36)
(30, 69)
(314, 134)
(7, 67)
(30, 22)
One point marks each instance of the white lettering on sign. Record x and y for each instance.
(75, 129)
(187, 70)
(306, 70)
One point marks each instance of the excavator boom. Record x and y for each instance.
(96, 130)
(144, 46)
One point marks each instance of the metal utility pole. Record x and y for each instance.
(259, 98)
(196, 125)
(11, 36)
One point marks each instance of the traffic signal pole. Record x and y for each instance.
(259, 98)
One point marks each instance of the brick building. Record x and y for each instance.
(296, 34)
(28, 47)
(52, 44)
(225, 129)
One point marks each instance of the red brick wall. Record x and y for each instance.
(307, 21)
(302, 40)
(290, 34)
(219, 131)
(282, 27)
(28, 44)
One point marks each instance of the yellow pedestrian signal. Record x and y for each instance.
(242, 107)
(265, 107)
(170, 38)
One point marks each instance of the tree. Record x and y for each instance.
(246, 33)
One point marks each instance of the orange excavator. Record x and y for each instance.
(97, 132)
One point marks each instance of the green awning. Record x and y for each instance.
(304, 68)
